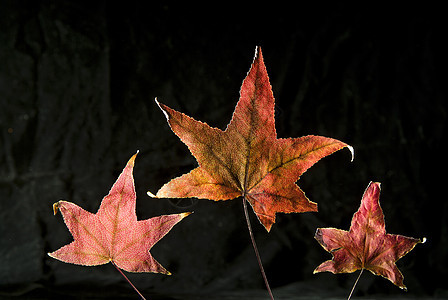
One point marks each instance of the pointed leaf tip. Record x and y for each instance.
(257, 56)
(151, 194)
(161, 108)
(186, 214)
(131, 161)
(55, 208)
(257, 51)
(352, 151)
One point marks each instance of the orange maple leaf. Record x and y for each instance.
(366, 245)
(247, 159)
(113, 234)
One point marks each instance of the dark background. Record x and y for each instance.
(77, 86)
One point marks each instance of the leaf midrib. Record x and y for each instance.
(90, 234)
(287, 162)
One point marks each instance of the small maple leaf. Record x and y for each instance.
(366, 245)
(247, 159)
(113, 234)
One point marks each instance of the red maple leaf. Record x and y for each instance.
(113, 234)
(247, 159)
(366, 245)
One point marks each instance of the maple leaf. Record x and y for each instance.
(247, 159)
(113, 234)
(366, 245)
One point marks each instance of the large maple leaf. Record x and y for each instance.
(114, 234)
(247, 159)
(366, 245)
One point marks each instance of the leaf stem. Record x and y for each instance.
(127, 279)
(254, 244)
(354, 285)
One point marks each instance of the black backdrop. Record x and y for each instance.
(77, 86)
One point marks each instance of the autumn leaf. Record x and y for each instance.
(113, 234)
(247, 159)
(366, 245)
